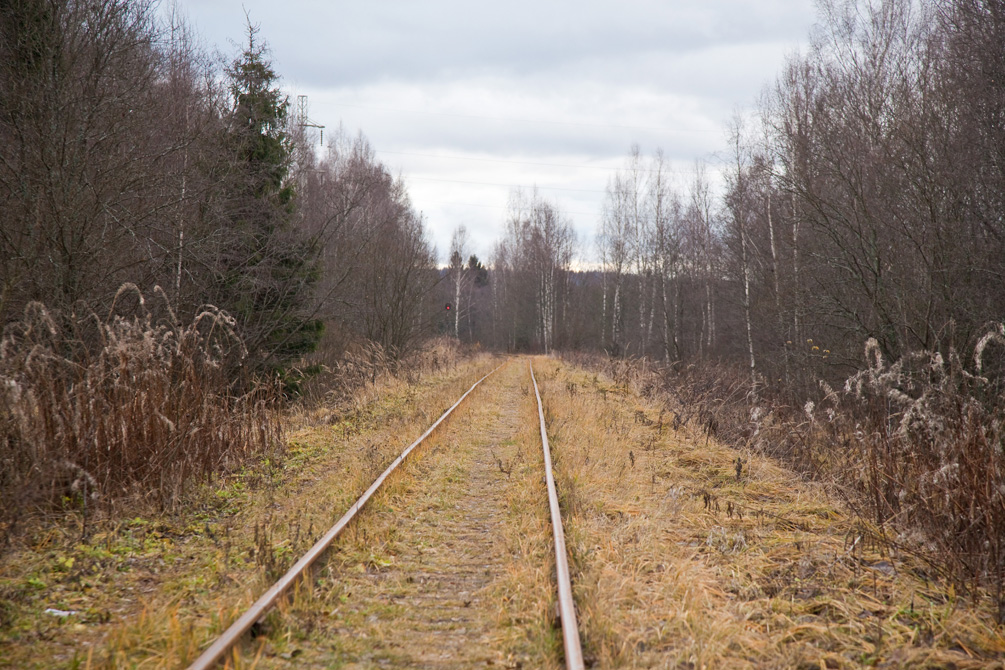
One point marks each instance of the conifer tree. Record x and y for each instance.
(269, 266)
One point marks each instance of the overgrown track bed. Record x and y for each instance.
(425, 578)
(684, 560)
(684, 553)
(145, 586)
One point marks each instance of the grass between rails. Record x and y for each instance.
(680, 563)
(528, 593)
(151, 590)
(451, 562)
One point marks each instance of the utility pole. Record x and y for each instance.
(304, 121)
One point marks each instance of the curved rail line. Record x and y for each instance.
(566, 605)
(567, 612)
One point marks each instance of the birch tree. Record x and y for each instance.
(701, 245)
(530, 265)
(664, 211)
(615, 245)
(740, 205)
(458, 274)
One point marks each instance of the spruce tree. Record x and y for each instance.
(269, 266)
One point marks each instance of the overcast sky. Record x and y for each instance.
(468, 100)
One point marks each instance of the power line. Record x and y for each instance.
(520, 120)
(497, 207)
(489, 183)
(511, 162)
(491, 160)
(304, 121)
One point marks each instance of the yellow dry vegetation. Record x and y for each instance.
(685, 553)
(450, 564)
(151, 589)
(678, 562)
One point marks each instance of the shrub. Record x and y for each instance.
(336, 372)
(927, 441)
(94, 409)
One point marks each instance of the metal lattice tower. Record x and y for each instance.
(304, 121)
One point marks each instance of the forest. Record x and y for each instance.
(178, 263)
(862, 200)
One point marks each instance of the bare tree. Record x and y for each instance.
(530, 265)
(615, 246)
(740, 205)
(458, 243)
(92, 163)
(701, 248)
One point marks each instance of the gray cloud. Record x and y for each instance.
(565, 82)
(342, 43)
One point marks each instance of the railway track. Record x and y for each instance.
(573, 656)
(679, 561)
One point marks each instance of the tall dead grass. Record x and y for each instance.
(916, 446)
(922, 440)
(134, 404)
(683, 560)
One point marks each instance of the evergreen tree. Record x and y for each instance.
(269, 267)
(478, 271)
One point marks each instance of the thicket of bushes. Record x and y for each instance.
(138, 406)
(921, 441)
(336, 374)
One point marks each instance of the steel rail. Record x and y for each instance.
(230, 637)
(566, 605)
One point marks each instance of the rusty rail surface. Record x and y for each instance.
(566, 605)
(232, 635)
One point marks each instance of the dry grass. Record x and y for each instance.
(135, 406)
(527, 593)
(916, 446)
(152, 590)
(678, 562)
(397, 590)
(923, 440)
(337, 373)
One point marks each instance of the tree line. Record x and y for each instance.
(129, 155)
(863, 198)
